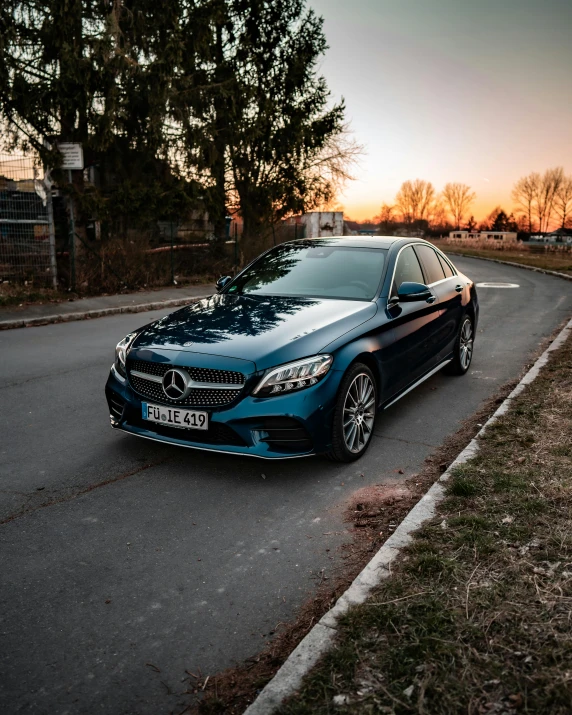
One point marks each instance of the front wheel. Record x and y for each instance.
(354, 415)
(463, 351)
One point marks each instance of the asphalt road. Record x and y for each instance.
(125, 562)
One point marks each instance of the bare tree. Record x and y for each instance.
(535, 196)
(563, 201)
(549, 186)
(439, 217)
(415, 199)
(458, 198)
(386, 215)
(329, 171)
(524, 195)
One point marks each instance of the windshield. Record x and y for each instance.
(318, 271)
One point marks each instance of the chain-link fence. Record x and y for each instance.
(27, 240)
(36, 231)
(245, 249)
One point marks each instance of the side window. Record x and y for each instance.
(431, 264)
(407, 269)
(446, 267)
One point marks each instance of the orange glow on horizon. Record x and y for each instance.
(474, 93)
(480, 209)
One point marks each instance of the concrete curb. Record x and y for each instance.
(289, 678)
(511, 263)
(99, 313)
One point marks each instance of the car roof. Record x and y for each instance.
(357, 241)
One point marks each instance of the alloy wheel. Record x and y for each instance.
(466, 344)
(359, 413)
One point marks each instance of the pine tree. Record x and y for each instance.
(258, 118)
(175, 98)
(99, 73)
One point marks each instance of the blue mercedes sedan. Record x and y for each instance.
(299, 352)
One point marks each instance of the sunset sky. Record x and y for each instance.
(477, 91)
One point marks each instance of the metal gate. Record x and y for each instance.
(27, 238)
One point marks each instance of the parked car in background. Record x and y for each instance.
(299, 352)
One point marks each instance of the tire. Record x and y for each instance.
(464, 345)
(356, 406)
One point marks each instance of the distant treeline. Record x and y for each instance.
(541, 202)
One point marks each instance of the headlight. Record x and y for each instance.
(294, 376)
(121, 352)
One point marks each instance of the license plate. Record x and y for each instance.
(173, 417)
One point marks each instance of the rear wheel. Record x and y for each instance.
(354, 414)
(463, 352)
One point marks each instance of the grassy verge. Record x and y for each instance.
(477, 616)
(370, 515)
(18, 295)
(560, 262)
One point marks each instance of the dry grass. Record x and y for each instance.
(20, 294)
(121, 266)
(477, 616)
(553, 261)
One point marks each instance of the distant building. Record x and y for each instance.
(409, 232)
(323, 224)
(505, 236)
(561, 235)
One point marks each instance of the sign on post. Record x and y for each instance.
(72, 155)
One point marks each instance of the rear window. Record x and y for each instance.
(446, 267)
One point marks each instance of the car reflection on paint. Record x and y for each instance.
(299, 352)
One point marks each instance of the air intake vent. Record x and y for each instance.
(116, 405)
(285, 433)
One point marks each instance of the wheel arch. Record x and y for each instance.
(470, 310)
(369, 360)
(368, 350)
(473, 307)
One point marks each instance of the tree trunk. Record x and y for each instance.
(253, 230)
(218, 192)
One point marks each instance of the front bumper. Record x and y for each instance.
(284, 426)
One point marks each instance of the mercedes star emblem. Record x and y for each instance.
(176, 384)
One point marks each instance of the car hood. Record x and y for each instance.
(266, 330)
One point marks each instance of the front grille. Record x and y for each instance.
(197, 397)
(200, 374)
(217, 433)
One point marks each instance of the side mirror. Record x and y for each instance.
(408, 292)
(222, 281)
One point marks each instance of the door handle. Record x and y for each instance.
(459, 288)
(431, 299)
